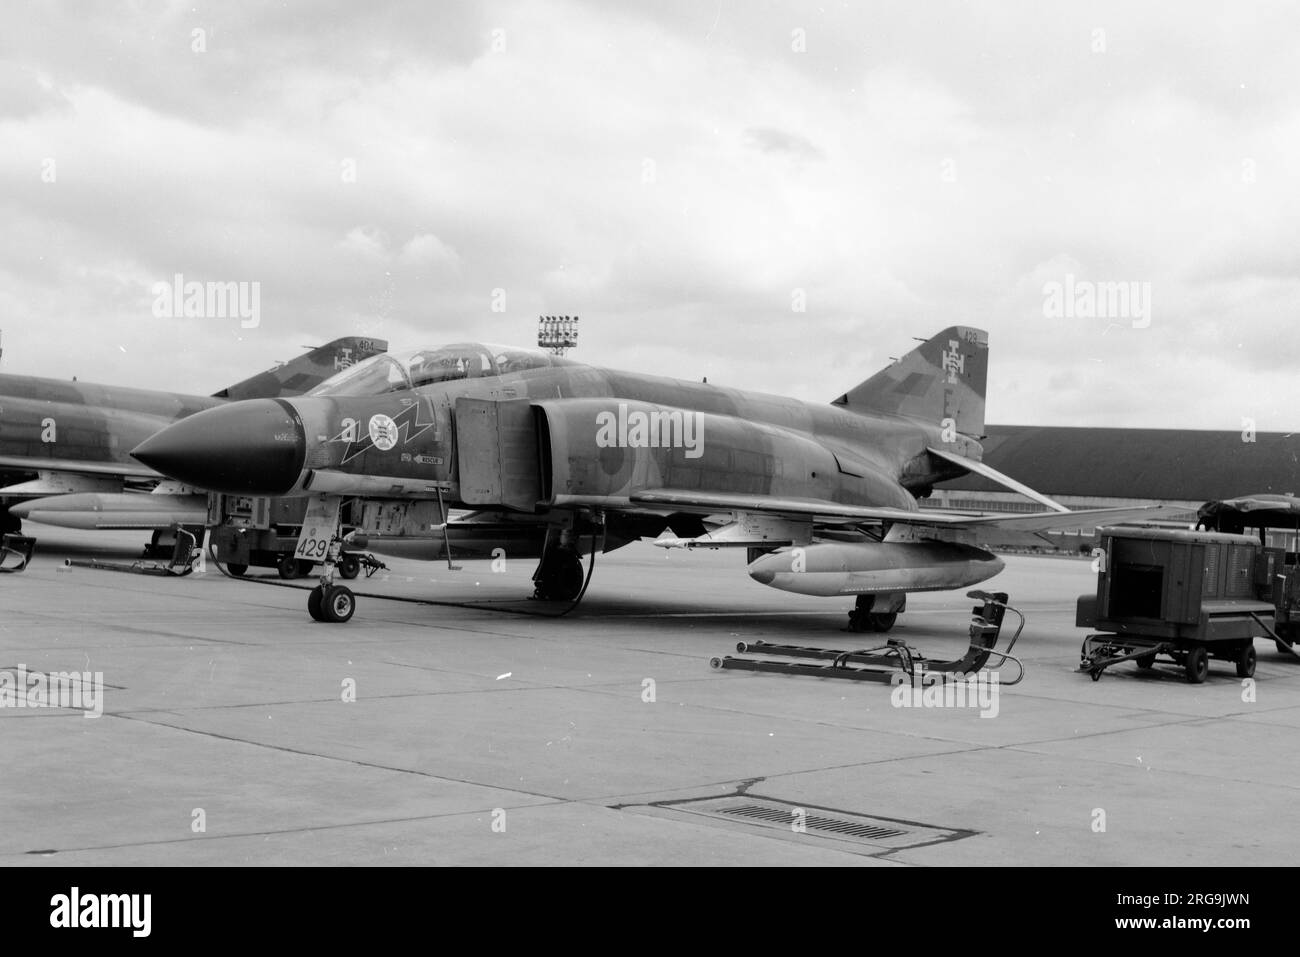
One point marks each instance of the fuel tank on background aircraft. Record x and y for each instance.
(94, 510)
(826, 569)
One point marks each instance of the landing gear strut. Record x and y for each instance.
(320, 537)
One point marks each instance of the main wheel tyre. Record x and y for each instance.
(315, 606)
(236, 569)
(288, 566)
(1197, 665)
(860, 614)
(349, 566)
(338, 604)
(562, 579)
(882, 621)
(10, 524)
(1246, 662)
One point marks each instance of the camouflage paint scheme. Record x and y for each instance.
(751, 443)
(527, 441)
(67, 436)
(824, 496)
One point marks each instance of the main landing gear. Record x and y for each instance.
(877, 612)
(559, 576)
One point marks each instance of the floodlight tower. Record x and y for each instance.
(557, 334)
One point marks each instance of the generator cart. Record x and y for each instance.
(1277, 521)
(1185, 596)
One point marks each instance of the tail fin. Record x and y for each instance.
(943, 378)
(307, 371)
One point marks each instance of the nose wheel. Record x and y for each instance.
(331, 603)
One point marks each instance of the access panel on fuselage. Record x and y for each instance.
(496, 444)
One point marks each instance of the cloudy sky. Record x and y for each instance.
(777, 196)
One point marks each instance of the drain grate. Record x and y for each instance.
(813, 821)
(795, 821)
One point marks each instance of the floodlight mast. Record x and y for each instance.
(557, 334)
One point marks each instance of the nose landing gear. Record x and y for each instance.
(331, 603)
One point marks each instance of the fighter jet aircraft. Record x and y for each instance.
(64, 445)
(557, 459)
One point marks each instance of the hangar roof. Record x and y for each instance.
(1165, 464)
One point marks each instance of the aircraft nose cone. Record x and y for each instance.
(255, 447)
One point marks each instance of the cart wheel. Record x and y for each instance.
(349, 565)
(1197, 664)
(1096, 675)
(1246, 662)
(288, 566)
(1146, 661)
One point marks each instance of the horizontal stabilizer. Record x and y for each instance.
(993, 475)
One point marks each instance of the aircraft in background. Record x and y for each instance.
(556, 459)
(64, 445)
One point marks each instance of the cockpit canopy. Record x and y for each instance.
(466, 360)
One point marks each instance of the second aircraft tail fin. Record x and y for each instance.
(307, 371)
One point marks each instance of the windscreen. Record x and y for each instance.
(468, 360)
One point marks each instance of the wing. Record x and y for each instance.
(835, 513)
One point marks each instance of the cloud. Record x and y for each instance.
(767, 140)
(711, 200)
(427, 249)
